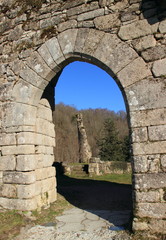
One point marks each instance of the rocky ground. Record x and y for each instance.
(100, 210)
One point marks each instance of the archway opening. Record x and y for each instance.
(84, 94)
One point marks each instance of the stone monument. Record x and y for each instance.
(84, 148)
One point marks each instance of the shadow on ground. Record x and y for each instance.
(94, 196)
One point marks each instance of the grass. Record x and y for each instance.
(10, 224)
(12, 221)
(113, 177)
(55, 209)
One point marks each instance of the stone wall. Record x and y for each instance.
(108, 167)
(125, 38)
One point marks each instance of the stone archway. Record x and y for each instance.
(26, 173)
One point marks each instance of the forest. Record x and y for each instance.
(107, 132)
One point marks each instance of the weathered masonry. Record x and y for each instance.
(38, 38)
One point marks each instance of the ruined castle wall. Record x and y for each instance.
(125, 38)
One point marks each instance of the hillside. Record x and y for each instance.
(66, 129)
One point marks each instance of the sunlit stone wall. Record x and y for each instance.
(125, 38)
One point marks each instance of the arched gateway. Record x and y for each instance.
(28, 76)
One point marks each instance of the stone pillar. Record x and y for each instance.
(27, 178)
(84, 148)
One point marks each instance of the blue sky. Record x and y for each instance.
(84, 86)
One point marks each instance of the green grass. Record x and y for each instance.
(116, 178)
(10, 223)
(125, 178)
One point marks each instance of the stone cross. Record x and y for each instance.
(84, 148)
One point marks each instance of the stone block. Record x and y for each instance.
(26, 191)
(144, 95)
(44, 173)
(163, 162)
(149, 117)
(138, 29)
(72, 4)
(130, 73)
(55, 50)
(17, 114)
(19, 177)
(67, 25)
(159, 68)
(154, 53)
(38, 187)
(148, 163)
(39, 201)
(7, 139)
(143, 43)
(67, 40)
(44, 150)
(42, 199)
(157, 226)
(19, 149)
(90, 14)
(107, 22)
(151, 210)
(48, 184)
(119, 6)
(153, 163)
(93, 39)
(157, 133)
(32, 77)
(44, 103)
(44, 160)
(44, 113)
(139, 134)
(80, 40)
(26, 93)
(52, 195)
(19, 129)
(8, 163)
(18, 204)
(128, 16)
(8, 190)
(140, 225)
(27, 138)
(50, 172)
(82, 8)
(45, 127)
(111, 51)
(149, 148)
(150, 181)
(150, 196)
(140, 164)
(46, 55)
(41, 173)
(37, 63)
(48, 141)
(87, 24)
(162, 26)
(26, 163)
